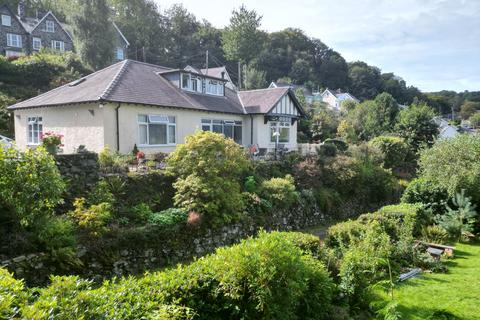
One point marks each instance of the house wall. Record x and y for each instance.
(15, 28)
(47, 37)
(75, 123)
(261, 133)
(331, 100)
(187, 122)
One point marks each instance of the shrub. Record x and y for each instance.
(94, 219)
(142, 212)
(453, 165)
(55, 232)
(263, 278)
(416, 126)
(344, 234)
(396, 153)
(434, 234)
(30, 183)
(208, 168)
(475, 120)
(12, 295)
(280, 191)
(459, 222)
(169, 217)
(430, 194)
(250, 184)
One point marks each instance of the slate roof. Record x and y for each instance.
(262, 100)
(294, 87)
(136, 82)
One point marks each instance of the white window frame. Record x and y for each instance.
(34, 136)
(168, 120)
(120, 53)
(36, 43)
(6, 20)
(277, 126)
(49, 26)
(14, 40)
(214, 87)
(61, 45)
(207, 125)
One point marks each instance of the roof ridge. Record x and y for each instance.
(114, 81)
(150, 64)
(65, 85)
(283, 88)
(241, 102)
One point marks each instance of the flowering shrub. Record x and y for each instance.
(280, 191)
(52, 140)
(94, 219)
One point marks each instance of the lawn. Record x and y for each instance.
(456, 292)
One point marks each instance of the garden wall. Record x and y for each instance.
(134, 251)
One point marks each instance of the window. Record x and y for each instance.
(35, 130)
(6, 20)
(36, 43)
(49, 26)
(281, 127)
(214, 87)
(58, 45)
(14, 40)
(192, 82)
(119, 53)
(229, 128)
(156, 130)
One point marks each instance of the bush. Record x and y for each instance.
(416, 126)
(263, 278)
(344, 234)
(208, 169)
(113, 162)
(168, 218)
(430, 194)
(55, 232)
(93, 219)
(396, 153)
(459, 222)
(434, 234)
(453, 165)
(12, 295)
(30, 183)
(280, 191)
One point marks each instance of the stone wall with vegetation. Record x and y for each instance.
(133, 251)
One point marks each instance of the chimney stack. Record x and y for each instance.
(21, 9)
(223, 74)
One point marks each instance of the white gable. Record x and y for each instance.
(285, 106)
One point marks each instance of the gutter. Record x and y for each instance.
(251, 129)
(117, 126)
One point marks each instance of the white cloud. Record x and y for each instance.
(432, 44)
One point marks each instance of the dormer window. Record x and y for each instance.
(49, 26)
(6, 20)
(195, 83)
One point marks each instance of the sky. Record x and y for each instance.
(432, 44)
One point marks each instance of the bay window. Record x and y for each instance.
(281, 127)
(156, 130)
(229, 128)
(34, 130)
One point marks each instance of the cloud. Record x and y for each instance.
(432, 44)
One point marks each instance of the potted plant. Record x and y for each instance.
(51, 141)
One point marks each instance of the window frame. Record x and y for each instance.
(18, 40)
(117, 51)
(62, 45)
(36, 40)
(210, 123)
(168, 123)
(4, 18)
(50, 23)
(278, 126)
(38, 120)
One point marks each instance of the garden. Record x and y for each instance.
(381, 197)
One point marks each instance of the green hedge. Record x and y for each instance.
(268, 277)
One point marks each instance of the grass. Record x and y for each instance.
(451, 295)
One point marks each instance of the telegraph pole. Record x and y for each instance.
(143, 53)
(239, 76)
(206, 62)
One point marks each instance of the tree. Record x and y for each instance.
(365, 81)
(331, 67)
(206, 166)
(387, 110)
(475, 120)
(395, 86)
(324, 124)
(468, 109)
(94, 33)
(255, 79)
(241, 39)
(415, 124)
(396, 152)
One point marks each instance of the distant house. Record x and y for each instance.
(21, 35)
(310, 96)
(134, 103)
(335, 98)
(445, 129)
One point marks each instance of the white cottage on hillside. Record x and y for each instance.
(335, 98)
(134, 103)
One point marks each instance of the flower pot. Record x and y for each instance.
(51, 149)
